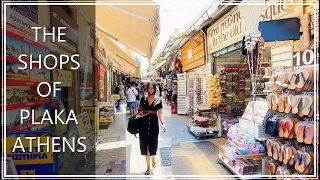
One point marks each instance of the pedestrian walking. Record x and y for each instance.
(138, 97)
(132, 97)
(169, 94)
(149, 126)
(121, 91)
(174, 92)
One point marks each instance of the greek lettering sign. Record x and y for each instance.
(37, 161)
(230, 28)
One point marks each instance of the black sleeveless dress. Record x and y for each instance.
(149, 126)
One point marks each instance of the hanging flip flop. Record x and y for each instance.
(309, 168)
(271, 168)
(292, 82)
(281, 103)
(281, 127)
(299, 129)
(292, 134)
(293, 156)
(311, 82)
(280, 151)
(306, 159)
(311, 109)
(303, 76)
(295, 103)
(275, 102)
(287, 154)
(308, 81)
(300, 108)
(288, 128)
(307, 102)
(309, 133)
(276, 148)
(270, 96)
(269, 144)
(287, 108)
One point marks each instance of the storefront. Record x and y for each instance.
(193, 60)
(259, 114)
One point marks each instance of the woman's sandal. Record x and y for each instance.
(292, 81)
(288, 128)
(303, 76)
(270, 96)
(276, 151)
(282, 125)
(147, 172)
(281, 103)
(287, 154)
(311, 110)
(269, 144)
(287, 103)
(299, 129)
(275, 102)
(307, 101)
(308, 132)
(295, 103)
(154, 165)
(293, 156)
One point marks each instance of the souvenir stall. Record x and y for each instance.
(275, 133)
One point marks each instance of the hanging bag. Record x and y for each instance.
(133, 124)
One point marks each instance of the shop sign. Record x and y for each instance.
(84, 128)
(59, 18)
(28, 11)
(63, 76)
(101, 81)
(231, 27)
(93, 114)
(31, 163)
(303, 58)
(19, 27)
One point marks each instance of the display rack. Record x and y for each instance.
(235, 169)
(210, 131)
(182, 94)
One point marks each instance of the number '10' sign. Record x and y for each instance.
(303, 58)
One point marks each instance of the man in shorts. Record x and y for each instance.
(132, 97)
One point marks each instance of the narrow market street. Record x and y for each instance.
(179, 152)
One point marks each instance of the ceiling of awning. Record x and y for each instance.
(119, 58)
(136, 26)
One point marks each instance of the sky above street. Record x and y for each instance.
(175, 17)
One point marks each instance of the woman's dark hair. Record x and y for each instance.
(154, 87)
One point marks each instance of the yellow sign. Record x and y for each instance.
(115, 96)
(93, 113)
(85, 130)
(230, 28)
(36, 156)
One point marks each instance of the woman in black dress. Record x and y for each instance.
(149, 126)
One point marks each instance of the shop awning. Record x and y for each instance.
(136, 26)
(117, 57)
